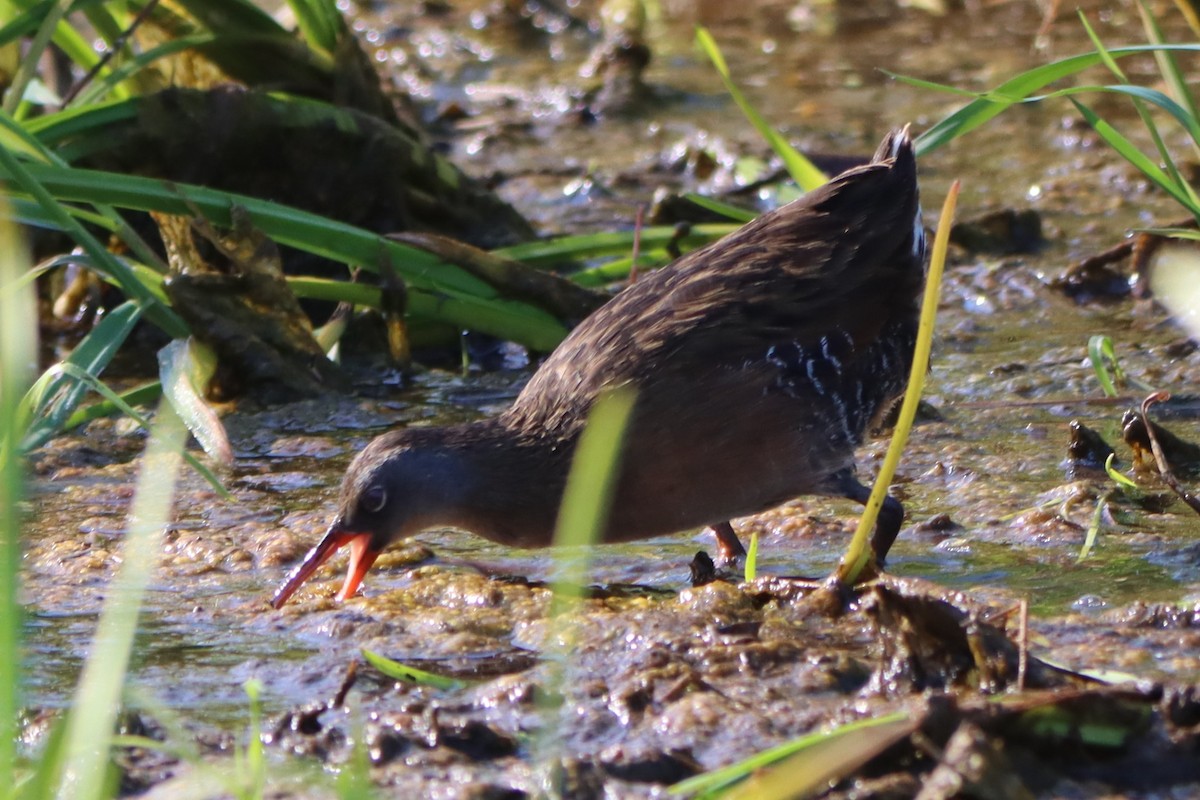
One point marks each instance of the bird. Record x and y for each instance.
(758, 363)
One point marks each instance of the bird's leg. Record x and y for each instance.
(891, 514)
(729, 547)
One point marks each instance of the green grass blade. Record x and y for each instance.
(1140, 93)
(20, 137)
(319, 22)
(24, 22)
(22, 175)
(1191, 234)
(736, 213)
(858, 553)
(358, 294)
(710, 784)
(1102, 354)
(751, 571)
(1105, 57)
(1015, 90)
(186, 366)
(98, 695)
(110, 83)
(1093, 530)
(403, 672)
(598, 245)
(590, 486)
(57, 394)
(255, 779)
(440, 290)
(39, 781)
(109, 21)
(27, 67)
(140, 395)
(354, 778)
(1168, 67)
(18, 352)
(24, 211)
(1117, 477)
(803, 171)
(618, 269)
(1147, 120)
(120, 403)
(582, 518)
(54, 130)
(1130, 153)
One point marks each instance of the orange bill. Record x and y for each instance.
(362, 556)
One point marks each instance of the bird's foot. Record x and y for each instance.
(729, 547)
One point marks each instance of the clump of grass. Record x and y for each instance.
(1102, 354)
(1177, 103)
(40, 135)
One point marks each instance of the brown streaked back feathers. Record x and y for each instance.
(849, 254)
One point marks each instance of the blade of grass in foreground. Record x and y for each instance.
(819, 755)
(859, 551)
(18, 353)
(98, 695)
(590, 487)
(581, 520)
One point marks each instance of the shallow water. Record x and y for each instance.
(1009, 373)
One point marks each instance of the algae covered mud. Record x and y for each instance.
(665, 680)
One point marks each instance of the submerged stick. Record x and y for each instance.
(1160, 459)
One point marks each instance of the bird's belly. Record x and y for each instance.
(704, 480)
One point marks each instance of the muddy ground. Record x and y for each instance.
(665, 680)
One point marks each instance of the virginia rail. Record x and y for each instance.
(759, 361)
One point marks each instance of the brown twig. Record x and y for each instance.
(339, 699)
(637, 244)
(1164, 469)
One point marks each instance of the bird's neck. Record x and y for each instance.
(500, 482)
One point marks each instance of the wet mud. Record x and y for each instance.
(651, 681)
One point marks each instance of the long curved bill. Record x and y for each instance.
(362, 556)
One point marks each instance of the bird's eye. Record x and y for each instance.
(373, 499)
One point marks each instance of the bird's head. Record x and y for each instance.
(402, 483)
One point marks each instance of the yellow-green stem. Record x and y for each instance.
(859, 551)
